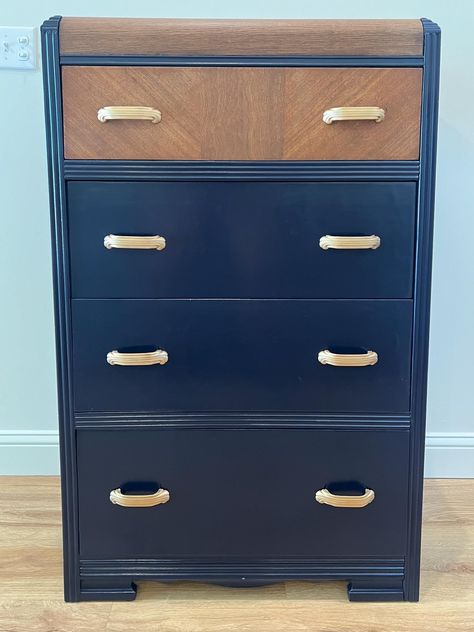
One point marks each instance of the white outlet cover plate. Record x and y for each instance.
(18, 47)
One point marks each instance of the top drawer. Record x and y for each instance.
(241, 113)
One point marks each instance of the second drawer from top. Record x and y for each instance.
(242, 239)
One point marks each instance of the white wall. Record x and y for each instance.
(28, 425)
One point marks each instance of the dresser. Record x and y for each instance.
(241, 217)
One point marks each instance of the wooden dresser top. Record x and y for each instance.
(125, 36)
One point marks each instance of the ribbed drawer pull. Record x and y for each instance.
(117, 497)
(137, 359)
(347, 359)
(340, 242)
(141, 242)
(128, 112)
(325, 497)
(366, 113)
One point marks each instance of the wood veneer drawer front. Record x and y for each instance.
(241, 355)
(242, 239)
(242, 493)
(217, 113)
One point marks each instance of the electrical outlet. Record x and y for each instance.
(18, 47)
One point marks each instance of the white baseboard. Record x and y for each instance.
(29, 452)
(448, 455)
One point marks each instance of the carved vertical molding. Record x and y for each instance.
(422, 295)
(60, 256)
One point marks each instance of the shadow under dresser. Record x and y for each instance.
(242, 217)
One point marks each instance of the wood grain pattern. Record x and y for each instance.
(31, 582)
(123, 36)
(241, 113)
(308, 94)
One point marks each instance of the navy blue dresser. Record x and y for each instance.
(242, 216)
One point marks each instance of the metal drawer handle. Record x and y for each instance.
(128, 112)
(325, 497)
(367, 113)
(139, 500)
(144, 242)
(137, 359)
(339, 242)
(347, 359)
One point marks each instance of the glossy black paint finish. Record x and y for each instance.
(248, 420)
(421, 312)
(234, 60)
(242, 239)
(370, 578)
(242, 494)
(265, 171)
(60, 259)
(242, 355)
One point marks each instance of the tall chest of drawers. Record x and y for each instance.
(242, 229)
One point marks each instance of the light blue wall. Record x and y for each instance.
(27, 371)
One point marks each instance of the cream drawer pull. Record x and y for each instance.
(152, 242)
(325, 497)
(339, 242)
(347, 359)
(354, 114)
(128, 112)
(137, 359)
(139, 500)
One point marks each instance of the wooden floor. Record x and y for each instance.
(31, 583)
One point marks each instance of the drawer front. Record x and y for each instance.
(242, 239)
(242, 493)
(240, 113)
(241, 355)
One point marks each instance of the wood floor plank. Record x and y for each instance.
(31, 581)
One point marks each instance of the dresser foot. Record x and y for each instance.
(108, 589)
(375, 590)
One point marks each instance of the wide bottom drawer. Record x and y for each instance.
(238, 493)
